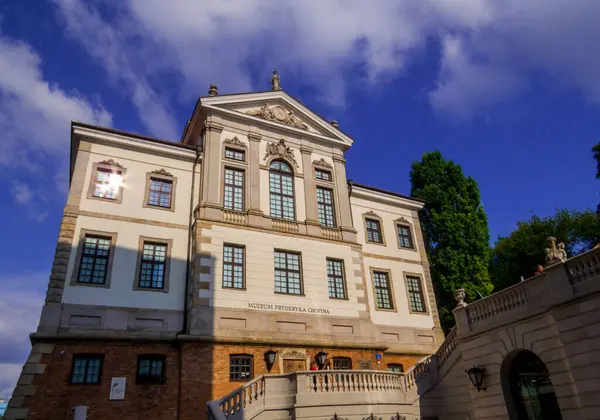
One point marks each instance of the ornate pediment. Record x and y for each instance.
(162, 172)
(235, 142)
(281, 150)
(278, 114)
(402, 220)
(371, 213)
(322, 162)
(111, 162)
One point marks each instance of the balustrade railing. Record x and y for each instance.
(498, 303)
(329, 233)
(235, 217)
(353, 381)
(238, 400)
(583, 267)
(447, 348)
(285, 226)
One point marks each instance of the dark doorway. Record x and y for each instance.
(530, 389)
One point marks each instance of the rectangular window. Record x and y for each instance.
(335, 279)
(151, 369)
(234, 189)
(415, 294)
(287, 273)
(234, 154)
(240, 367)
(404, 236)
(325, 207)
(152, 270)
(107, 184)
(374, 231)
(321, 174)
(395, 367)
(233, 266)
(94, 260)
(342, 363)
(160, 193)
(86, 369)
(383, 297)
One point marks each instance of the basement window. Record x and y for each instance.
(240, 367)
(151, 369)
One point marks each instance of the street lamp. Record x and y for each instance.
(270, 356)
(476, 376)
(321, 359)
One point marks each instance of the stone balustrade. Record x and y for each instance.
(330, 233)
(285, 226)
(498, 303)
(583, 267)
(235, 217)
(446, 348)
(310, 389)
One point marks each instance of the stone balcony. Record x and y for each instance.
(310, 394)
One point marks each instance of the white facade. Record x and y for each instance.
(197, 225)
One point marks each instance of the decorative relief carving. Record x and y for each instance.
(278, 114)
(371, 213)
(398, 416)
(281, 150)
(372, 417)
(322, 162)
(293, 353)
(111, 162)
(402, 220)
(235, 142)
(336, 417)
(161, 172)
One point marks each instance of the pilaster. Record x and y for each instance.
(254, 174)
(309, 187)
(339, 165)
(211, 164)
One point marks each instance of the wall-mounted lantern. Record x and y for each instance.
(270, 356)
(321, 358)
(476, 376)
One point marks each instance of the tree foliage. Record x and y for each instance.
(455, 230)
(519, 253)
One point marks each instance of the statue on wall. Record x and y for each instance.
(275, 81)
(556, 253)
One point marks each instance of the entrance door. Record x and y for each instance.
(292, 365)
(531, 389)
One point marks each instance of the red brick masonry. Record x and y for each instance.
(195, 373)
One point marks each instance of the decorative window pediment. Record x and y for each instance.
(111, 162)
(322, 162)
(281, 150)
(161, 172)
(235, 142)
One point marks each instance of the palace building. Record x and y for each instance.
(238, 275)
(184, 270)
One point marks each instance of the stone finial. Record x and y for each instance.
(275, 81)
(335, 123)
(555, 253)
(213, 90)
(459, 297)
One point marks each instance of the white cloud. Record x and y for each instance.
(490, 49)
(21, 299)
(35, 117)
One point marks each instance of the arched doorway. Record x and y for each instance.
(528, 389)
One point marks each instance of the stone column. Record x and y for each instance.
(309, 190)
(254, 211)
(209, 199)
(343, 199)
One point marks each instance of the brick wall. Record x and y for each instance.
(204, 377)
(55, 395)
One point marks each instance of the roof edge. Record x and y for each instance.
(379, 190)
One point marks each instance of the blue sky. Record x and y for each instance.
(508, 89)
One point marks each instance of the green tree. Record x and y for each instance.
(455, 230)
(519, 253)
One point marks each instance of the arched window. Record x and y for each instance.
(281, 188)
(528, 389)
